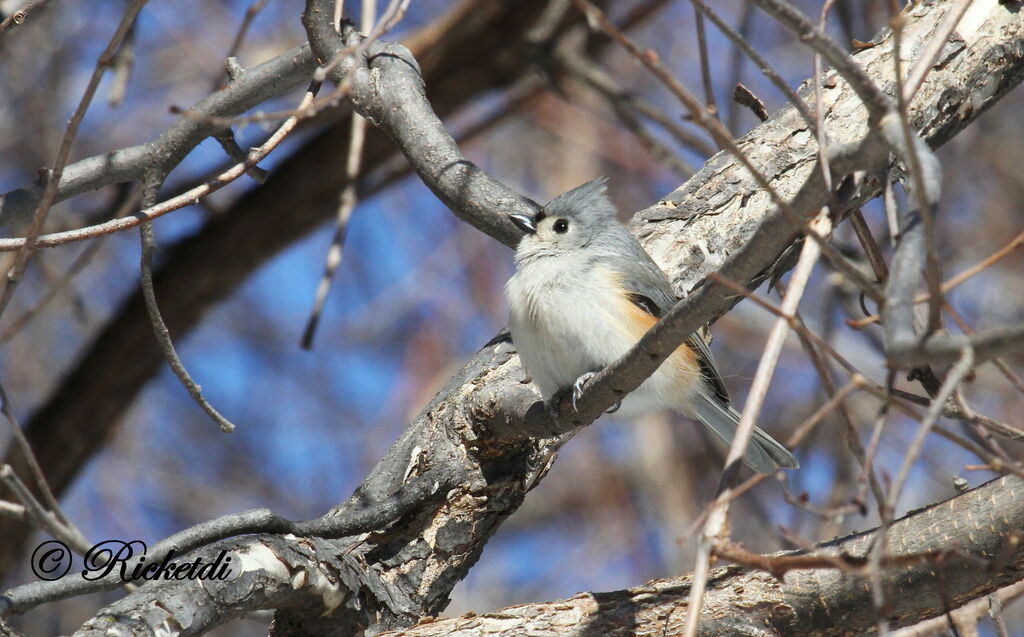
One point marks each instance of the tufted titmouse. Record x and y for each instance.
(584, 292)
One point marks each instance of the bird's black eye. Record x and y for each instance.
(561, 226)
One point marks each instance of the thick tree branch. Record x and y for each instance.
(386, 87)
(988, 555)
(361, 517)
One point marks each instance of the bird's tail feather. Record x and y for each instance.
(764, 454)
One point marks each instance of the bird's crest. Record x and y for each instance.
(584, 203)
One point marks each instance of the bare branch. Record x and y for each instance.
(19, 16)
(346, 204)
(716, 526)
(796, 604)
(160, 331)
(17, 269)
(762, 64)
(461, 185)
(875, 101)
(158, 210)
(270, 79)
(361, 517)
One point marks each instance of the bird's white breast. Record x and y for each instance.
(567, 319)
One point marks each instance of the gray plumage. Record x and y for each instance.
(580, 277)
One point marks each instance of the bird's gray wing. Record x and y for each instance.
(640, 275)
(649, 288)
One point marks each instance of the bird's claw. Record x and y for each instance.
(577, 387)
(577, 392)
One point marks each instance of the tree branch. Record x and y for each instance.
(389, 76)
(268, 80)
(360, 517)
(802, 602)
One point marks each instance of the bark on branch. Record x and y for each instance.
(970, 546)
(386, 87)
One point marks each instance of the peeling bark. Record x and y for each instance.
(960, 534)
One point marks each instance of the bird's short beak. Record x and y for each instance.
(524, 223)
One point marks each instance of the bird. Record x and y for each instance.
(584, 292)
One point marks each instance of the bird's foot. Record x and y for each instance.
(577, 392)
(577, 387)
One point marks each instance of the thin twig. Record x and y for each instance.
(243, 29)
(812, 342)
(122, 64)
(187, 198)
(80, 262)
(38, 477)
(779, 565)
(705, 66)
(19, 16)
(1000, 364)
(973, 609)
(948, 286)
(891, 208)
(628, 108)
(625, 102)
(17, 269)
(163, 335)
(791, 319)
(396, 10)
(981, 431)
(991, 259)
(346, 204)
(717, 522)
(866, 477)
(819, 120)
(763, 65)
(852, 436)
(160, 330)
(799, 433)
(236, 44)
(898, 400)
(227, 141)
(870, 246)
(885, 394)
(746, 21)
(13, 511)
(956, 374)
(877, 103)
(37, 513)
